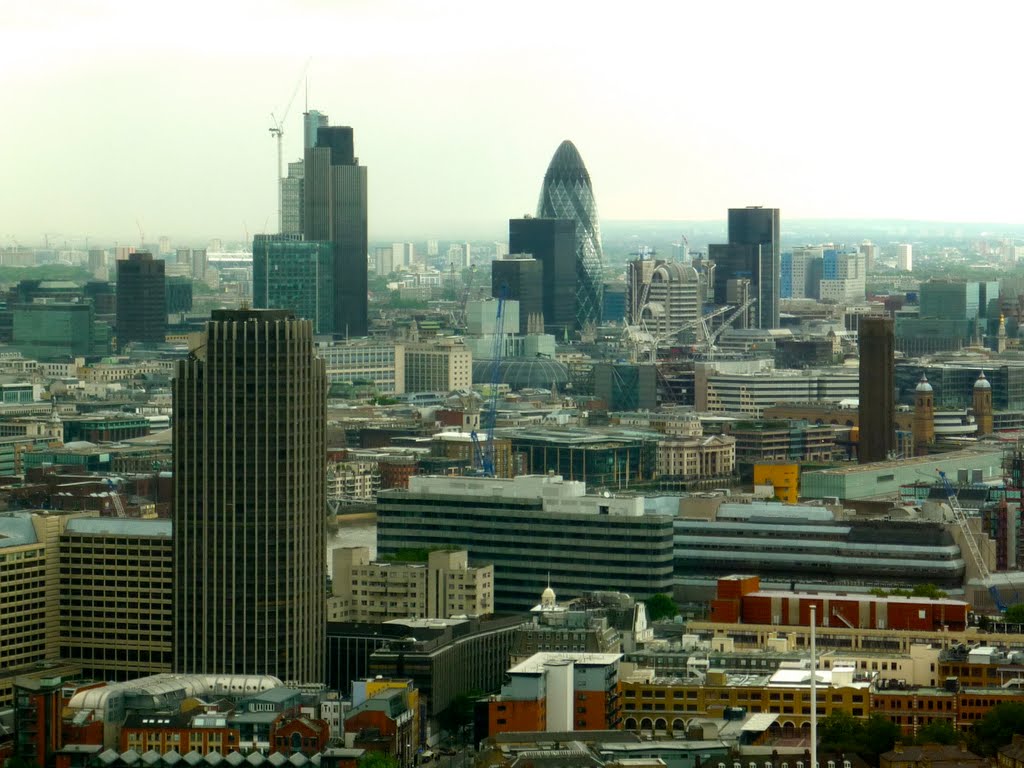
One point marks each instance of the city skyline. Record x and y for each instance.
(448, 113)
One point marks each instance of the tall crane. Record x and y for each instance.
(972, 545)
(706, 344)
(277, 131)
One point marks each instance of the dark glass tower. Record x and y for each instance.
(291, 273)
(334, 211)
(141, 300)
(552, 242)
(877, 410)
(758, 229)
(568, 194)
(521, 278)
(249, 499)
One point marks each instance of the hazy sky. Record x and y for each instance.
(116, 111)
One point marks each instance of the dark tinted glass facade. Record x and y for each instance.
(335, 210)
(523, 280)
(249, 500)
(568, 194)
(753, 253)
(141, 300)
(552, 242)
(291, 273)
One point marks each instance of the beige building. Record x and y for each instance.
(439, 587)
(697, 457)
(382, 362)
(441, 366)
(459, 446)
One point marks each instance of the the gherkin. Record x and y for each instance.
(568, 194)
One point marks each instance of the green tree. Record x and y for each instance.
(1015, 614)
(661, 607)
(377, 760)
(928, 590)
(840, 732)
(996, 728)
(938, 732)
(880, 735)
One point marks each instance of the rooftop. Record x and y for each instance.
(115, 526)
(537, 663)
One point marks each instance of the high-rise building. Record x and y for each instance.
(553, 243)
(905, 257)
(336, 211)
(141, 300)
(521, 278)
(845, 277)
(673, 300)
(870, 252)
(291, 273)
(249, 501)
(443, 366)
(877, 386)
(638, 282)
(292, 187)
(752, 253)
(312, 122)
(567, 194)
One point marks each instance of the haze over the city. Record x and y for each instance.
(119, 116)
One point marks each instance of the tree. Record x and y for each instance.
(839, 732)
(377, 760)
(997, 727)
(938, 732)
(661, 607)
(1015, 614)
(880, 735)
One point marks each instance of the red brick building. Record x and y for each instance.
(299, 735)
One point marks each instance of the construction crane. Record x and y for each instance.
(637, 336)
(142, 235)
(465, 295)
(972, 545)
(706, 345)
(277, 131)
(484, 455)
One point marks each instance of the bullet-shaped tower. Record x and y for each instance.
(924, 416)
(983, 405)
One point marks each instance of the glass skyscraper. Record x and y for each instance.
(291, 273)
(568, 194)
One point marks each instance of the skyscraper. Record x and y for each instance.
(335, 210)
(553, 243)
(758, 228)
(249, 499)
(141, 301)
(521, 277)
(877, 342)
(568, 194)
(291, 273)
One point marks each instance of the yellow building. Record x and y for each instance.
(784, 479)
(661, 705)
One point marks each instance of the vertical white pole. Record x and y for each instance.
(814, 691)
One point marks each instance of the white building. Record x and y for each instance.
(673, 300)
(905, 257)
(442, 365)
(750, 386)
(849, 284)
(381, 362)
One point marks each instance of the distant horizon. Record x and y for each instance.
(973, 229)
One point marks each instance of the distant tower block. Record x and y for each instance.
(983, 405)
(877, 342)
(924, 416)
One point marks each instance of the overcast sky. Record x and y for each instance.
(114, 112)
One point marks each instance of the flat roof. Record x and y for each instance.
(932, 459)
(120, 526)
(17, 530)
(536, 663)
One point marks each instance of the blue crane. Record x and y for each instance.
(484, 454)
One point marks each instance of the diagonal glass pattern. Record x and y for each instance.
(568, 194)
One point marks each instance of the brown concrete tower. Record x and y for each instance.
(924, 417)
(877, 342)
(983, 405)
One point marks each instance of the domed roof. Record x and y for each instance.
(547, 597)
(523, 372)
(923, 385)
(982, 382)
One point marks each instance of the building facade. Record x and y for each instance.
(335, 210)
(249, 506)
(141, 300)
(291, 273)
(443, 366)
(552, 242)
(568, 194)
(521, 278)
(877, 385)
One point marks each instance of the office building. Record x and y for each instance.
(905, 257)
(673, 300)
(552, 242)
(292, 203)
(336, 211)
(379, 362)
(844, 279)
(442, 366)
(141, 300)
(877, 385)
(567, 194)
(638, 281)
(626, 386)
(558, 692)
(575, 542)
(249, 504)
(114, 624)
(870, 252)
(752, 254)
(521, 277)
(295, 274)
(59, 330)
(441, 586)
